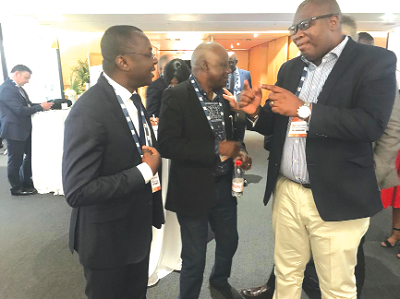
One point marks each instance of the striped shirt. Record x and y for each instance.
(294, 163)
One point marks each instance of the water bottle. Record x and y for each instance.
(238, 180)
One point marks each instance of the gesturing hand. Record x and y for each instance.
(46, 105)
(282, 101)
(231, 99)
(249, 100)
(151, 157)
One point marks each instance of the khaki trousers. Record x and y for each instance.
(300, 231)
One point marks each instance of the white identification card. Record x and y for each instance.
(155, 183)
(298, 128)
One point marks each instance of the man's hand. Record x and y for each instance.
(249, 100)
(152, 158)
(283, 101)
(229, 148)
(246, 160)
(46, 105)
(231, 99)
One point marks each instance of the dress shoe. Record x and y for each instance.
(227, 291)
(32, 190)
(262, 292)
(22, 193)
(245, 182)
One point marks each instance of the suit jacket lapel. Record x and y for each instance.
(340, 67)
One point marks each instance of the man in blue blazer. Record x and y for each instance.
(326, 109)
(235, 85)
(15, 111)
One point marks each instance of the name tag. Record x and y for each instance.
(155, 183)
(298, 128)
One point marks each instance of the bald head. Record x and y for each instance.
(321, 6)
(210, 64)
(232, 61)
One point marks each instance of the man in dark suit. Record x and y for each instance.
(336, 98)
(196, 133)
(156, 88)
(16, 126)
(235, 85)
(110, 166)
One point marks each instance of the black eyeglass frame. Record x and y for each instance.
(148, 55)
(295, 28)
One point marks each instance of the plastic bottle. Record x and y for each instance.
(238, 180)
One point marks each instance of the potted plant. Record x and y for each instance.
(80, 76)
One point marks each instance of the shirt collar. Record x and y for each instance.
(16, 84)
(334, 53)
(119, 89)
(217, 92)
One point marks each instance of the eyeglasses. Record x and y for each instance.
(150, 55)
(305, 24)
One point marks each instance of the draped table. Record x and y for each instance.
(47, 151)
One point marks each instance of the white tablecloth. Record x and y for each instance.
(47, 151)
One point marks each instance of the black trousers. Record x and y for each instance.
(194, 233)
(19, 167)
(128, 282)
(311, 283)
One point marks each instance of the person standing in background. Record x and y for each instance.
(235, 86)
(110, 167)
(156, 88)
(16, 127)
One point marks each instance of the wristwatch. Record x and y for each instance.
(304, 111)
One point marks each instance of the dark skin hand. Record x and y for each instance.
(246, 160)
(151, 157)
(229, 148)
(283, 101)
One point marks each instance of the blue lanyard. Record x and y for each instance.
(132, 127)
(203, 105)
(302, 79)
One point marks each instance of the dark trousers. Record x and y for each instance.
(311, 283)
(194, 231)
(19, 168)
(128, 282)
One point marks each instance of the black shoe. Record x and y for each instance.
(32, 190)
(245, 183)
(262, 292)
(1, 144)
(21, 193)
(227, 291)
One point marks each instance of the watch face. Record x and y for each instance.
(303, 112)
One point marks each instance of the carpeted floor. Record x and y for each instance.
(35, 262)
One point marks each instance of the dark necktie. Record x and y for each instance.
(23, 93)
(138, 103)
(232, 83)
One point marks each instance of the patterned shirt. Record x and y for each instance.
(294, 163)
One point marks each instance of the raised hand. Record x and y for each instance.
(231, 99)
(249, 100)
(283, 101)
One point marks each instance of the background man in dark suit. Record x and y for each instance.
(16, 126)
(196, 133)
(235, 85)
(109, 160)
(156, 88)
(329, 186)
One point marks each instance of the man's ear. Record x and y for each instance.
(204, 66)
(121, 63)
(334, 22)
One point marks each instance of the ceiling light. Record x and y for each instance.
(255, 34)
(238, 44)
(389, 17)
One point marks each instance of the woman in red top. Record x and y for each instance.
(391, 197)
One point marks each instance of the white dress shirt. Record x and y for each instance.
(125, 95)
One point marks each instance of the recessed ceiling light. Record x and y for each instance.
(389, 17)
(255, 34)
